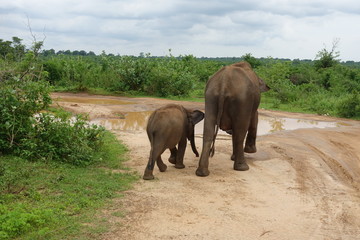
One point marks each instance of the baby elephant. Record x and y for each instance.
(168, 126)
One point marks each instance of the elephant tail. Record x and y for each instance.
(218, 119)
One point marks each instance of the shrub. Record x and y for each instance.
(276, 75)
(19, 101)
(54, 69)
(349, 106)
(26, 132)
(72, 141)
(166, 81)
(133, 72)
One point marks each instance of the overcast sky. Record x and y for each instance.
(210, 28)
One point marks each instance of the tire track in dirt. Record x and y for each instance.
(314, 172)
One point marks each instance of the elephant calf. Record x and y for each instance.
(167, 127)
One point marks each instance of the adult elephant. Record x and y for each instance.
(167, 127)
(232, 97)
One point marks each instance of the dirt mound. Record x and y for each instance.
(302, 184)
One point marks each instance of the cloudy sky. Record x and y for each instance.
(212, 28)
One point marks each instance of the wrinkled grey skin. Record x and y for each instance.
(232, 97)
(167, 127)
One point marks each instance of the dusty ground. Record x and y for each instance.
(302, 184)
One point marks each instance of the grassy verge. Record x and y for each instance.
(57, 201)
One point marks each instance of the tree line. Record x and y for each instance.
(15, 49)
(324, 85)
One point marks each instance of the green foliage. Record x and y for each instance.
(134, 73)
(171, 77)
(314, 86)
(349, 105)
(19, 101)
(66, 140)
(48, 197)
(248, 57)
(58, 201)
(298, 83)
(12, 50)
(276, 76)
(166, 76)
(326, 58)
(20, 219)
(26, 132)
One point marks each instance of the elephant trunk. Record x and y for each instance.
(192, 142)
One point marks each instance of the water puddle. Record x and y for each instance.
(100, 101)
(268, 125)
(136, 121)
(132, 121)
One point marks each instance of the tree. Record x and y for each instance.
(5, 47)
(12, 50)
(251, 60)
(50, 52)
(18, 48)
(326, 58)
(91, 53)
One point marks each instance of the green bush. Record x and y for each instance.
(72, 141)
(19, 101)
(134, 72)
(276, 75)
(54, 70)
(349, 106)
(167, 81)
(26, 132)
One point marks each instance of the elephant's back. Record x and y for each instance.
(230, 81)
(167, 120)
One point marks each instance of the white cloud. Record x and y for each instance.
(278, 28)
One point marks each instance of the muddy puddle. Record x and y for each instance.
(136, 121)
(98, 101)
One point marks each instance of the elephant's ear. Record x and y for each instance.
(263, 86)
(196, 116)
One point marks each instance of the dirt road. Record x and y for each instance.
(302, 184)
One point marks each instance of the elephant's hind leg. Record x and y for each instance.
(148, 173)
(250, 144)
(155, 154)
(172, 158)
(208, 136)
(240, 127)
(161, 165)
(180, 154)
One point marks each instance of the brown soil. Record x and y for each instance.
(302, 184)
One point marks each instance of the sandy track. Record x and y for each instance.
(302, 184)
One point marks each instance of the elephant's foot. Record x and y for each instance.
(179, 166)
(148, 175)
(241, 166)
(162, 167)
(202, 172)
(250, 149)
(172, 160)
